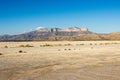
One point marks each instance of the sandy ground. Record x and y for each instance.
(64, 60)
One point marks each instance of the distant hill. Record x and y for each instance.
(57, 34)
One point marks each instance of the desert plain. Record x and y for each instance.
(60, 60)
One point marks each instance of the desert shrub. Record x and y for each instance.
(77, 44)
(1, 54)
(59, 44)
(20, 51)
(65, 49)
(48, 45)
(115, 43)
(21, 46)
(95, 43)
(69, 49)
(58, 49)
(24, 52)
(27, 45)
(91, 44)
(91, 47)
(41, 45)
(68, 44)
(6, 46)
(82, 44)
(107, 43)
(101, 43)
(45, 45)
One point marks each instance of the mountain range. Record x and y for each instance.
(58, 34)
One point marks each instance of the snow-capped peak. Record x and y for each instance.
(38, 28)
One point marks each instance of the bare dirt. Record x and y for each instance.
(61, 60)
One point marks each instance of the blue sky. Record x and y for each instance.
(17, 16)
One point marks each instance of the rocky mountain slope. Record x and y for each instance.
(57, 34)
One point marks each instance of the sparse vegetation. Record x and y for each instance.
(21, 46)
(80, 44)
(101, 43)
(115, 43)
(6, 47)
(77, 44)
(91, 44)
(59, 44)
(58, 58)
(46, 45)
(68, 44)
(20, 51)
(65, 49)
(95, 43)
(27, 45)
(1, 54)
(69, 49)
(59, 50)
(107, 43)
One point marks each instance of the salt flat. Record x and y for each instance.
(60, 60)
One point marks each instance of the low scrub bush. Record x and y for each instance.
(20, 51)
(65, 49)
(91, 47)
(1, 54)
(69, 49)
(107, 43)
(95, 43)
(21, 46)
(27, 45)
(46, 45)
(6, 46)
(82, 44)
(68, 44)
(58, 49)
(101, 43)
(91, 44)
